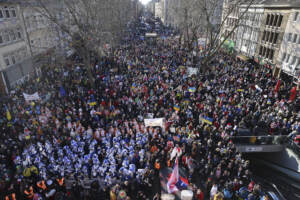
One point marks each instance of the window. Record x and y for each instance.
(283, 56)
(260, 50)
(293, 60)
(280, 20)
(12, 35)
(6, 36)
(7, 15)
(289, 37)
(19, 34)
(13, 60)
(35, 21)
(1, 39)
(13, 12)
(288, 58)
(296, 16)
(268, 19)
(6, 60)
(42, 20)
(1, 14)
(264, 36)
(271, 53)
(295, 38)
(276, 37)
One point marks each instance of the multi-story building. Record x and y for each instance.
(25, 36)
(289, 55)
(271, 33)
(159, 10)
(43, 37)
(230, 16)
(15, 62)
(249, 29)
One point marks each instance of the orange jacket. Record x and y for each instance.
(157, 165)
(60, 181)
(42, 185)
(29, 194)
(13, 197)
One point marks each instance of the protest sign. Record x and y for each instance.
(31, 97)
(192, 71)
(155, 122)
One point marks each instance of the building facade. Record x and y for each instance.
(271, 35)
(289, 55)
(15, 62)
(230, 16)
(249, 30)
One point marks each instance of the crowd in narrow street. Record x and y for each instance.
(92, 135)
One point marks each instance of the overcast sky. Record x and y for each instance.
(144, 1)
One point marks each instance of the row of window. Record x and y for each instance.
(271, 37)
(294, 38)
(15, 57)
(8, 12)
(274, 20)
(253, 17)
(266, 52)
(291, 60)
(35, 21)
(12, 35)
(296, 16)
(231, 21)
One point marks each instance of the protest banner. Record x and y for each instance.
(155, 122)
(31, 97)
(192, 71)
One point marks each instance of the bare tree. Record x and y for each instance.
(199, 18)
(88, 24)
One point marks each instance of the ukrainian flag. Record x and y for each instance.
(176, 107)
(93, 103)
(192, 89)
(133, 86)
(186, 101)
(207, 120)
(8, 115)
(240, 90)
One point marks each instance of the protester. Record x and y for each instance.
(94, 129)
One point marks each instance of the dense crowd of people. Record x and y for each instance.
(94, 130)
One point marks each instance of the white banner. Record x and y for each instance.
(191, 71)
(155, 122)
(31, 97)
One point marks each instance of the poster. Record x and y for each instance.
(155, 122)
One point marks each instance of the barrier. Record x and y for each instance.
(186, 195)
(167, 197)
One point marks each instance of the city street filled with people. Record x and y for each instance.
(86, 139)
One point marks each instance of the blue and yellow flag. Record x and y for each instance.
(8, 115)
(192, 89)
(92, 102)
(207, 120)
(176, 107)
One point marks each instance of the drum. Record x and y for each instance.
(167, 197)
(186, 195)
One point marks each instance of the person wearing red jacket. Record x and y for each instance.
(199, 195)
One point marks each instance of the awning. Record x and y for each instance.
(243, 57)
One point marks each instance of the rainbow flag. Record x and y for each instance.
(207, 120)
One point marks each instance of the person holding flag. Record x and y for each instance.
(176, 182)
(8, 115)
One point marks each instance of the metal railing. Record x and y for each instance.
(259, 140)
